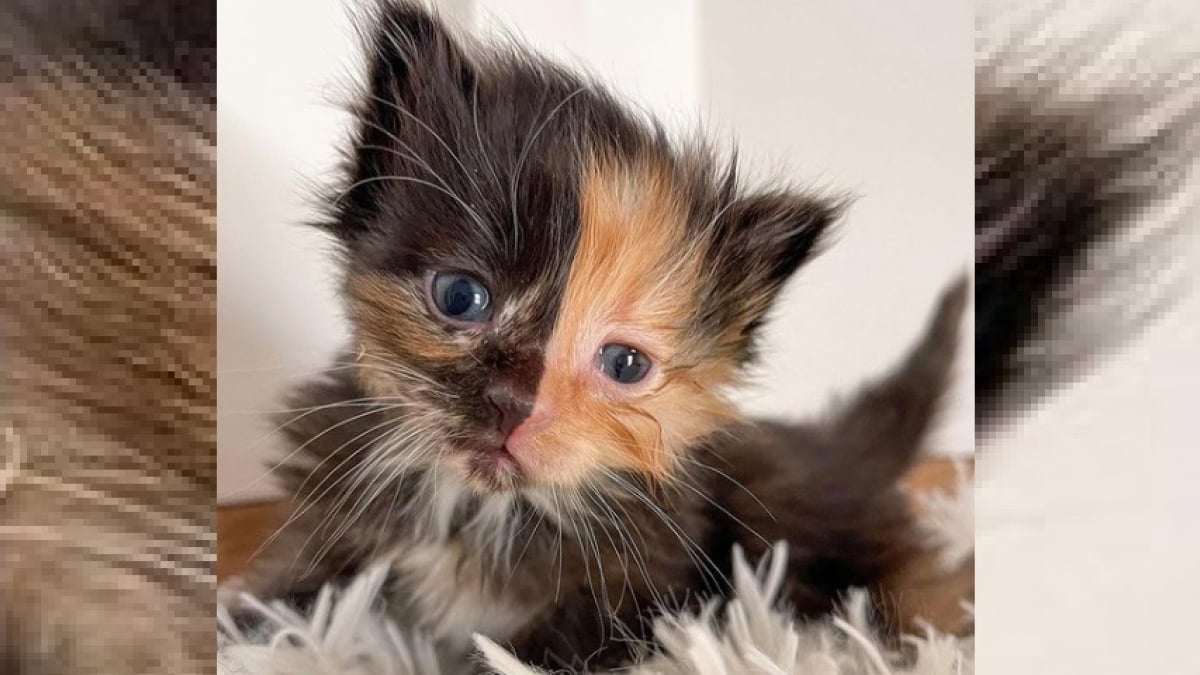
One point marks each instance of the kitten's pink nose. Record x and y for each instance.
(512, 405)
(517, 442)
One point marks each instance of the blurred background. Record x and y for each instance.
(1088, 551)
(866, 96)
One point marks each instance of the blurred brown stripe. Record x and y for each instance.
(122, 38)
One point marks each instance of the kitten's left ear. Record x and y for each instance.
(777, 232)
(761, 240)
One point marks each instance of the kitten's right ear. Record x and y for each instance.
(414, 58)
(418, 78)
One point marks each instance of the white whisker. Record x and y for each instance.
(438, 137)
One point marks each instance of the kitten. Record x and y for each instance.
(107, 317)
(550, 304)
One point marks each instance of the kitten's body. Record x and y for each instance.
(522, 490)
(563, 585)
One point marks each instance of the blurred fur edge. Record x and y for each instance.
(107, 330)
(1087, 138)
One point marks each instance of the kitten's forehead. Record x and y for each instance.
(612, 249)
(503, 197)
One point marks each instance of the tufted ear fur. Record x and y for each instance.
(761, 240)
(777, 232)
(419, 83)
(415, 59)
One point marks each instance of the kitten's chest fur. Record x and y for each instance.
(449, 592)
(495, 566)
(453, 568)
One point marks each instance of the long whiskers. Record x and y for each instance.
(704, 563)
(734, 481)
(436, 136)
(367, 471)
(418, 181)
(309, 500)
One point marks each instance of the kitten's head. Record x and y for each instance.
(544, 286)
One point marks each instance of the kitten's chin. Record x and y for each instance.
(489, 469)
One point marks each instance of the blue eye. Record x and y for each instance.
(623, 363)
(461, 298)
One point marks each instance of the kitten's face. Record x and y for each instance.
(547, 291)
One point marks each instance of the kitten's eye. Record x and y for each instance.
(623, 363)
(461, 298)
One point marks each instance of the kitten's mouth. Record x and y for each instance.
(493, 466)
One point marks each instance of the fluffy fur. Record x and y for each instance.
(345, 633)
(107, 299)
(519, 492)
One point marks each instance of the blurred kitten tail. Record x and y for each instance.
(867, 535)
(881, 430)
(1079, 183)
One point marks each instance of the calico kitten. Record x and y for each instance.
(550, 304)
(107, 318)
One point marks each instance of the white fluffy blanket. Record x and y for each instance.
(754, 633)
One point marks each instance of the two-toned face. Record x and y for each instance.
(546, 290)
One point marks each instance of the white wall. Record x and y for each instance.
(874, 97)
(843, 93)
(276, 313)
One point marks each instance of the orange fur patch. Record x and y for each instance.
(634, 280)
